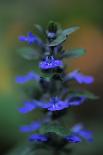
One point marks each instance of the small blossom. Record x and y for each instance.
(86, 135)
(78, 129)
(51, 35)
(28, 106)
(55, 104)
(50, 63)
(79, 77)
(31, 127)
(26, 78)
(30, 38)
(73, 139)
(38, 138)
(74, 101)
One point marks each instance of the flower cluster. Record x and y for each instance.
(56, 95)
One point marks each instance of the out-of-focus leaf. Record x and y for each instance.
(63, 36)
(54, 128)
(28, 53)
(74, 53)
(39, 28)
(30, 149)
(86, 94)
(22, 150)
(59, 31)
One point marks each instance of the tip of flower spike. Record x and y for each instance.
(38, 138)
(51, 35)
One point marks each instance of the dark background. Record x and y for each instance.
(17, 17)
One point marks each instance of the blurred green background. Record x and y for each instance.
(17, 17)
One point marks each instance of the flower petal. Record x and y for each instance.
(38, 138)
(86, 135)
(28, 106)
(31, 127)
(80, 78)
(50, 63)
(75, 102)
(26, 78)
(73, 139)
(30, 38)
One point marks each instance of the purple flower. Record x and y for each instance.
(79, 77)
(38, 138)
(50, 63)
(31, 127)
(54, 104)
(26, 78)
(78, 129)
(28, 106)
(30, 38)
(51, 35)
(86, 135)
(73, 139)
(75, 101)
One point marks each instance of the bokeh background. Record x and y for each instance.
(17, 17)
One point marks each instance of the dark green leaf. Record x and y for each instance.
(85, 93)
(63, 36)
(54, 128)
(28, 53)
(27, 149)
(74, 53)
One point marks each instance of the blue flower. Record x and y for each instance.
(30, 38)
(78, 129)
(79, 77)
(26, 78)
(31, 127)
(55, 104)
(28, 106)
(73, 139)
(38, 138)
(50, 63)
(75, 101)
(86, 135)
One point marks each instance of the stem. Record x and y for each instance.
(56, 152)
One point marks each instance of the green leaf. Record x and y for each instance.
(74, 53)
(39, 28)
(54, 128)
(63, 36)
(85, 93)
(28, 53)
(30, 149)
